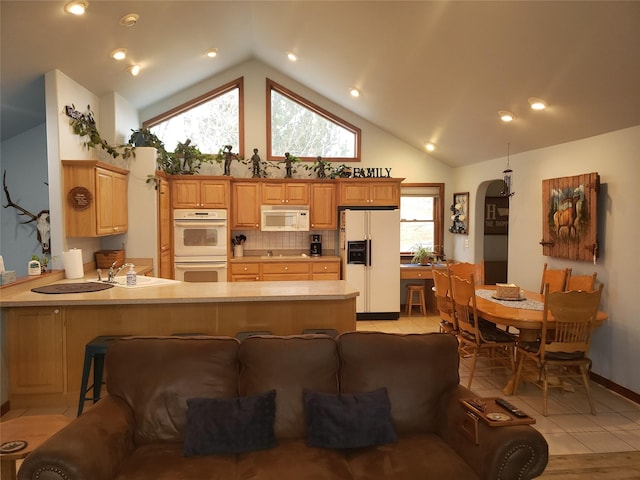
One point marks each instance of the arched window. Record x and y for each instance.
(305, 130)
(211, 121)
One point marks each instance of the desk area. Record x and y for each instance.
(416, 273)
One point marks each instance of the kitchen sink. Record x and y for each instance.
(143, 281)
(284, 257)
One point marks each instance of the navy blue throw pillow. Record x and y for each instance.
(349, 420)
(230, 425)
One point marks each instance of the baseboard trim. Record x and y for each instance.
(614, 387)
(5, 407)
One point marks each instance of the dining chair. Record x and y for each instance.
(557, 279)
(582, 282)
(466, 269)
(478, 338)
(444, 302)
(562, 351)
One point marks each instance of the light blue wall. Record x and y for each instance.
(24, 158)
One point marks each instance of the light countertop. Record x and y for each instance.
(180, 292)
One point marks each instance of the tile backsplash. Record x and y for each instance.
(286, 243)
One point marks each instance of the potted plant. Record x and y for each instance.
(422, 255)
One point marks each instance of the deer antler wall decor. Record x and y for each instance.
(43, 225)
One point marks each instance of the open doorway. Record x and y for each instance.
(495, 233)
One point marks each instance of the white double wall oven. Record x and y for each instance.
(200, 245)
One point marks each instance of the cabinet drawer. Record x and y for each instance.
(288, 268)
(409, 273)
(325, 276)
(245, 269)
(325, 267)
(285, 277)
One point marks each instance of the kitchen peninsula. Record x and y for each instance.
(46, 334)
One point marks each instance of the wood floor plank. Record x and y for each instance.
(603, 466)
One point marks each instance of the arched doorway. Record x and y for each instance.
(493, 231)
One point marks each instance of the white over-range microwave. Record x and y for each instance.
(285, 218)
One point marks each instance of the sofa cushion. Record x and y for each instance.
(289, 365)
(346, 420)
(292, 459)
(416, 369)
(165, 461)
(230, 425)
(413, 456)
(156, 376)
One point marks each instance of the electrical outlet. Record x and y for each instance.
(466, 243)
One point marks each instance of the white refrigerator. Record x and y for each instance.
(369, 244)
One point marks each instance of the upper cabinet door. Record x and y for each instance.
(245, 205)
(324, 215)
(200, 193)
(282, 193)
(96, 199)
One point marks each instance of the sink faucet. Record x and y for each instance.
(113, 274)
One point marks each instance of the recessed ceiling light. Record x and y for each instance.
(129, 20)
(506, 116)
(292, 57)
(119, 54)
(133, 70)
(354, 92)
(77, 7)
(537, 103)
(212, 53)
(430, 146)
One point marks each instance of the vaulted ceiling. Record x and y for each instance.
(428, 70)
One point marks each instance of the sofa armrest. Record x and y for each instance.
(507, 452)
(91, 446)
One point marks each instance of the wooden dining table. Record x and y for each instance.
(512, 313)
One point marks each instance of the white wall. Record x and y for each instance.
(615, 157)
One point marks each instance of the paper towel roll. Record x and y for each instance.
(72, 261)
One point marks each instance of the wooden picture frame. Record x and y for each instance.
(460, 213)
(569, 217)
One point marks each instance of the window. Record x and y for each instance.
(421, 212)
(297, 126)
(211, 121)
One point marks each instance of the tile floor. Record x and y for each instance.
(569, 428)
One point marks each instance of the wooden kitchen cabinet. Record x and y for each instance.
(165, 264)
(35, 350)
(329, 270)
(245, 272)
(199, 193)
(287, 193)
(381, 192)
(245, 205)
(323, 210)
(285, 271)
(96, 198)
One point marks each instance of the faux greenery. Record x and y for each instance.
(187, 158)
(84, 125)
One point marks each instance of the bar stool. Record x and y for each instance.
(411, 291)
(94, 351)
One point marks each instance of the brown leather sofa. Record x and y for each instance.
(138, 430)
